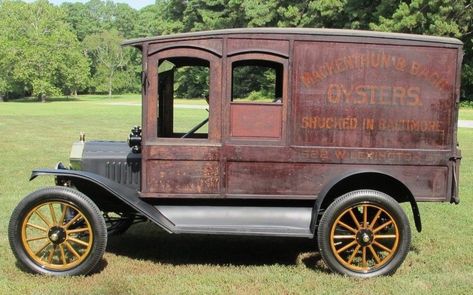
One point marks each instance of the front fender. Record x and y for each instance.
(123, 193)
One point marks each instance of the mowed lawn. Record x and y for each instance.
(145, 260)
(466, 114)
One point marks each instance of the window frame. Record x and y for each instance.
(151, 107)
(267, 57)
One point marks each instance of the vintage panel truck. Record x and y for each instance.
(358, 123)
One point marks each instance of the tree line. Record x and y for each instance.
(48, 50)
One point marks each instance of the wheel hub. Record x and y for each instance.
(57, 235)
(364, 237)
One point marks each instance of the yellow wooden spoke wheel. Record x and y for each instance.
(364, 233)
(57, 235)
(57, 231)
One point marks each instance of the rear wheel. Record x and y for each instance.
(364, 233)
(57, 231)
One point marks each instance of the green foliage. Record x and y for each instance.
(39, 53)
(191, 82)
(96, 16)
(109, 57)
(433, 17)
(452, 18)
(253, 82)
(258, 96)
(31, 51)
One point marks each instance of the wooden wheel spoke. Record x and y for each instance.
(364, 263)
(42, 218)
(358, 226)
(70, 248)
(36, 238)
(351, 244)
(42, 247)
(375, 255)
(63, 214)
(74, 219)
(53, 215)
(344, 237)
(347, 226)
(77, 241)
(63, 256)
(375, 218)
(382, 226)
(385, 236)
(365, 216)
(51, 253)
(353, 255)
(382, 246)
(37, 227)
(77, 230)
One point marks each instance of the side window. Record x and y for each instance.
(257, 81)
(182, 87)
(257, 99)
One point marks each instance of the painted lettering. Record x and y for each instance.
(374, 95)
(368, 124)
(375, 60)
(410, 125)
(343, 123)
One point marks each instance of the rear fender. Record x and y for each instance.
(327, 195)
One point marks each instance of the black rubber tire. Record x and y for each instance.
(349, 200)
(61, 194)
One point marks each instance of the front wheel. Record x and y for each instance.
(364, 233)
(57, 231)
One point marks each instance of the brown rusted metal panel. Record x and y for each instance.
(380, 96)
(203, 152)
(238, 46)
(183, 177)
(211, 45)
(265, 178)
(256, 120)
(333, 155)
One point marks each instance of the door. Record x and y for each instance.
(256, 107)
(182, 138)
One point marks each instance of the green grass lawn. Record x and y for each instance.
(145, 260)
(466, 114)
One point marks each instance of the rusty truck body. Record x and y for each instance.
(357, 123)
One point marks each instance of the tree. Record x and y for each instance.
(96, 16)
(434, 17)
(452, 18)
(39, 52)
(110, 56)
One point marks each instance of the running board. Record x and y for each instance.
(231, 220)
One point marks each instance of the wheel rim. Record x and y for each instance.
(57, 235)
(364, 237)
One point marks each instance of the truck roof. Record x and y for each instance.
(288, 33)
